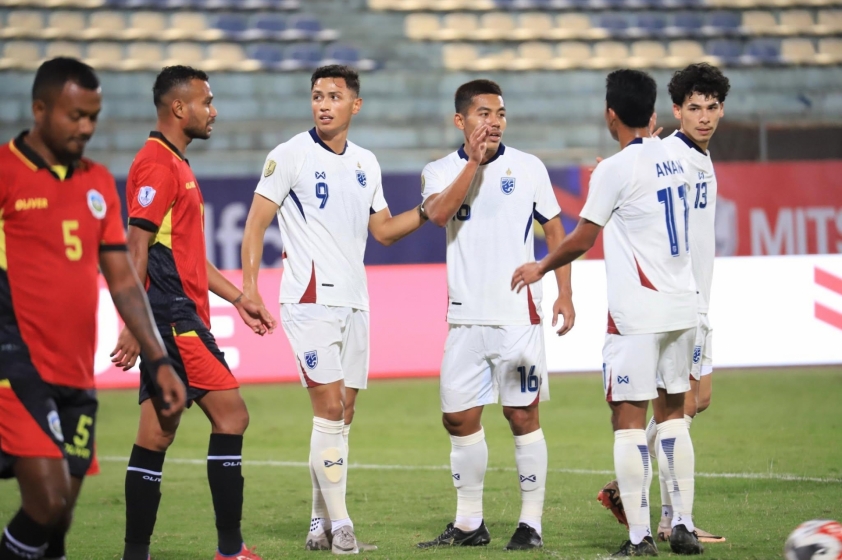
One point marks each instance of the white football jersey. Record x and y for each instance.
(491, 235)
(325, 200)
(700, 173)
(641, 199)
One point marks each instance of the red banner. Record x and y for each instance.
(408, 328)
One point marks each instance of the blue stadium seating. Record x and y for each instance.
(763, 51)
(726, 50)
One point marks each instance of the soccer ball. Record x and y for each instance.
(819, 539)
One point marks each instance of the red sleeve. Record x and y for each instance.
(150, 193)
(113, 235)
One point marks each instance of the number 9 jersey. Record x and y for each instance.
(641, 197)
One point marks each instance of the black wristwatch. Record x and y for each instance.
(422, 212)
(155, 365)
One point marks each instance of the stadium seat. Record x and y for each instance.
(616, 24)
(650, 25)
(311, 29)
(233, 26)
(22, 24)
(798, 51)
(341, 54)
(682, 53)
(146, 25)
(830, 51)
(420, 27)
(190, 54)
(576, 26)
(498, 61)
(726, 50)
(796, 22)
(686, 24)
(21, 54)
(572, 54)
(104, 56)
(302, 57)
(190, 26)
(450, 5)
(647, 54)
(105, 25)
(609, 54)
(533, 55)
(269, 56)
(760, 22)
(228, 56)
(763, 51)
(532, 26)
(829, 22)
(144, 56)
(723, 23)
(272, 27)
(63, 48)
(64, 25)
(458, 56)
(458, 26)
(495, 26)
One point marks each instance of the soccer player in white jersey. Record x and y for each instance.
(640, 197)
(327, 194)
(487, 195)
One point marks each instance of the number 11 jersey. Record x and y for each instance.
(324, 202)
(640, 196)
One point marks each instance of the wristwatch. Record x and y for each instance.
(422, 212)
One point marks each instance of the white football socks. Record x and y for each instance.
(328, 461)
(634, 474)
(653, 442)
(531, 461)
(676, 462)
(468, 462)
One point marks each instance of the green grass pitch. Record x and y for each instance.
(763, 424)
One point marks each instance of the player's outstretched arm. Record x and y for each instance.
(253, 314)
(571, 248)
(260, 217)
(388, 229)
(130, 299)
(441, 207)
(563, 306)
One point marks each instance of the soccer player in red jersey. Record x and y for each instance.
(167, 243)
(59, 222)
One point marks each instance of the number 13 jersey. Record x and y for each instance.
(641, 197)
(324, 202)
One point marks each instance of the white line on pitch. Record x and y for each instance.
(300, 464)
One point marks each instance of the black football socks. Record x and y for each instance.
(143, 494)
(226, 485)
(23, 538)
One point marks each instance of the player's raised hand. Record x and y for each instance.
(564, 306)
(256, 316)
(172, 390)
(477, 143)
(653, 122)
(127, 350)
(526, 275)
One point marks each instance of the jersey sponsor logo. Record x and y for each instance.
(96, 202)
(55, 425)
(190, 185)
(311, 358)
(697, 354)
(270, 168)
(77, 451)
(507, 185)
(31, 204)
(321, 175)
(145, 196)
(361, 177)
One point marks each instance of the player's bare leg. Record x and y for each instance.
(56, 548)
(329, 464)
(531, 461)
(468, 463)
(45, 492)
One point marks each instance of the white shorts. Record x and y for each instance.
(635, 366)
(486, 364)
(703, 351)
(329, 343)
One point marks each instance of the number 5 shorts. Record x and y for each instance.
(330, 343)
(635, 366)
(488, 364)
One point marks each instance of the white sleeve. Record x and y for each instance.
(378, 200)
(279, 174)
(603, 194)
(546, 205)
(431, 182)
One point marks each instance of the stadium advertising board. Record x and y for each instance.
(766, 311)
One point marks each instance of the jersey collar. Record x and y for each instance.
(315, 136)
(500, 151)
(34, 161)
(159, 137)
(686, 139)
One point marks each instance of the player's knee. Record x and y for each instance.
(459, 424)
(50, 509)
(234, 423)
(522, 420)
(349, 413)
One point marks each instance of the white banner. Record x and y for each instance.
(765, 311)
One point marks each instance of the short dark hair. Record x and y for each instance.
(351, 77)
(466, 93)
(53, 74)
(698, 78)
(632, 94)
(172, 77)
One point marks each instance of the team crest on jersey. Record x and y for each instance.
(96, 203)
(145, 196)
(321, 175)
(270, 168)
(55, 425)
(361, 177)
(507, 184)
(311, 358)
